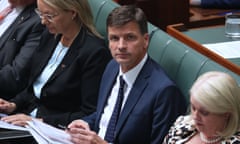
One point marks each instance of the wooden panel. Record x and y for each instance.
(163, 12)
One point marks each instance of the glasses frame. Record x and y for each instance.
(47, 16)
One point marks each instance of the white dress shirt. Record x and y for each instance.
(52, 65)
(129, 77)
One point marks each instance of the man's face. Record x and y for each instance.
(127, 44)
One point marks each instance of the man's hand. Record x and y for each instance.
(81, 133)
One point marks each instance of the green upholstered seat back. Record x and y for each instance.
(181, 63)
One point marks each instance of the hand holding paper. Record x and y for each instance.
(44, 133)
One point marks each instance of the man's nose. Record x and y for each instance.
(122, 43)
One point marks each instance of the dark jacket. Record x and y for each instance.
(153, 104)
(16, 47)
(72, 91)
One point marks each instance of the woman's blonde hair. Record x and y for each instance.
(81, 7)
(218, 92)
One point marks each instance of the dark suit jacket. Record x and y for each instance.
(16, 47)
(72, 91)
(153, 104)
(221, 4)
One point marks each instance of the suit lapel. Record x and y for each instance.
(44, 52)
(108, 83)
(72, 54)
(23, 16)
(135, 94)
(47, 49)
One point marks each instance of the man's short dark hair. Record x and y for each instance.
(125, 14)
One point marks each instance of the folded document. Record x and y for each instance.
(6, 125)
(42, 132)
(46, 134)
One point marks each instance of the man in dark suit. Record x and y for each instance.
(20, 32)
(225, 4)
(151, 100)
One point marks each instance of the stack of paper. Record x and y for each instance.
(6, 125)
(42, 132)
(45, 134)
(226, 49)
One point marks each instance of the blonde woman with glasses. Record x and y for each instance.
(66, 68)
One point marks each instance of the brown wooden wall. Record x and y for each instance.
(162, 12)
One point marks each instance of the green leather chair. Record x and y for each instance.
(182, 63)
(96, 6)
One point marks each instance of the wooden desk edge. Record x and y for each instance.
(173, 30)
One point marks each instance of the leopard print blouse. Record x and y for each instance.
(183, 129)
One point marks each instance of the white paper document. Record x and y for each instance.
(225, 49)
(42, 132)
(6, 125)
(45, 134)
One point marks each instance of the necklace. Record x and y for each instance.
(211, 141)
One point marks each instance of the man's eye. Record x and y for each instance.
(113, 38)
(131, 37)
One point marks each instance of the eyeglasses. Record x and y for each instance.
(47, 16)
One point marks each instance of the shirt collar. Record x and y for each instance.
(131, 75)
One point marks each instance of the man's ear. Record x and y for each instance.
(146, 38)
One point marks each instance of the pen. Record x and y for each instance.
(63, 127)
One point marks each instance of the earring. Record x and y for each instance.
(73, 17)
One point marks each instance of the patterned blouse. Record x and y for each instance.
(183, 129)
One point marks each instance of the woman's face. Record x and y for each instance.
(205, 121)
(57, 21)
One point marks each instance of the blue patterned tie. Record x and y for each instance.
(110, 133)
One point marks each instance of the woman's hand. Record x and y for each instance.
(17, 119)
(6, 106)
